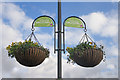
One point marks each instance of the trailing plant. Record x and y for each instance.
(79, 50)
(15, 46)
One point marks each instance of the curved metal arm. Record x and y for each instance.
(54, 28)
(85, 29)
(40, 17)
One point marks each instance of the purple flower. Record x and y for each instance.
(81, 25)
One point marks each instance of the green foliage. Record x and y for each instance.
(79, 50)
(13, 48)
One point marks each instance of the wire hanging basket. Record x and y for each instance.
(31, 56)
(28, 53)
(92, 54)
(86, 53)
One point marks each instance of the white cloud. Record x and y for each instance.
(73, 35)
(44, 12)
(46, 70)
(10, 32)
(102, 24)
(106, 69)
(16, 16)
(114, 51)
(95, 21)
(111, 66)
(110, 50)
(10, 35)
(45, 39)
(98, 23)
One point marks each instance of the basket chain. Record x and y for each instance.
(33, 35)
(85, 36)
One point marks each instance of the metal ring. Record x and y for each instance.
(85, 30)
(33, 29)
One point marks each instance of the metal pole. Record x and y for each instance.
(59, 41)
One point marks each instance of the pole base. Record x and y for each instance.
(59, 79)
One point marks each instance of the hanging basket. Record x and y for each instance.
(28, 53)
(86, 53)
(30, 57)
(89, 58)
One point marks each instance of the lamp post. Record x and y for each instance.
(59, 42)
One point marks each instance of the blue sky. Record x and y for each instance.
(68, 8)
(101, 20)
(35, 9)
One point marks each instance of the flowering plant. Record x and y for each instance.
(13, 48)
(79, 49)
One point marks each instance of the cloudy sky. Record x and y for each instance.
(101, 19)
